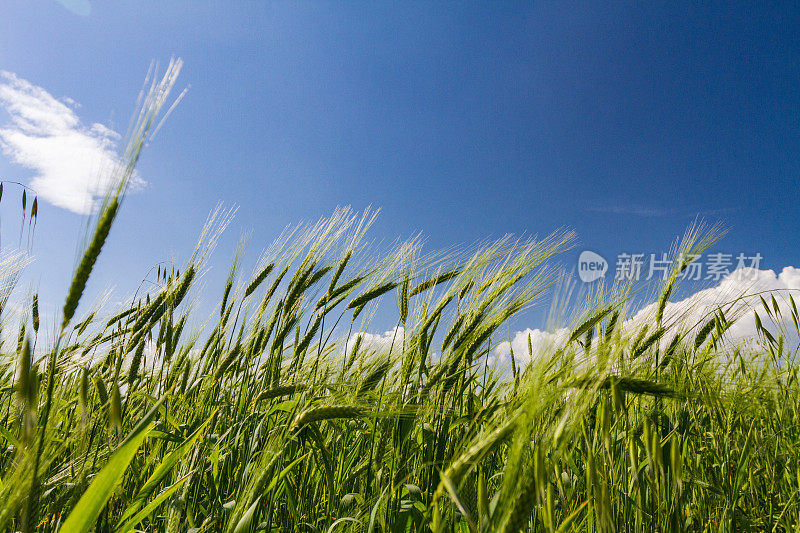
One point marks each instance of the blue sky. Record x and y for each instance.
(462, 122)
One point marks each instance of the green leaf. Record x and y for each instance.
(85, 513)
(453, 492)
(243, 524)
(9, 437)
(565, 525)
(153, 505)
(373, 516)
(161, 472)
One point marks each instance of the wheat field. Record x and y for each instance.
(277, 413)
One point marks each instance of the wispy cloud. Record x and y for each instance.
(73, 163)
(79, 7)
(637, 210)
(649, 211)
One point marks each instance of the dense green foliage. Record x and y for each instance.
(277, 414)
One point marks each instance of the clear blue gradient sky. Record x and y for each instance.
(463, 121)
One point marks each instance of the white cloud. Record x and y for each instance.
(739, 294)
(392, 339)
(73, 164)
(541, 342)
(79, 7)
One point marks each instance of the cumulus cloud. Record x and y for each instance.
(738, 294)
(379, 342)
(73, 163)
(540, 342)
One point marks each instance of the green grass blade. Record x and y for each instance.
(153, 505)
(88, 508)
